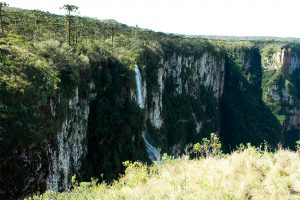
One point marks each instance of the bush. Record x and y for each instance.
(298, 145)
(208, 147)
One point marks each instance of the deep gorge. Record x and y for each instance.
(68, 111)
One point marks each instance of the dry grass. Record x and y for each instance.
(247, 174)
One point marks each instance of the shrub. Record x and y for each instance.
(208, 147)
(298, 145)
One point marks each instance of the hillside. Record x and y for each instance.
(83, 102)
(248, 173)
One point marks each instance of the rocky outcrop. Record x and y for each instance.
(290, 61)
(285, 59)
(154, 112)
(283, 91)
(187, 82)
(272, 61)
(50, 164)
(189, 74)
(69, 147)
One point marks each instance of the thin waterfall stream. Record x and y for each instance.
(153, 153)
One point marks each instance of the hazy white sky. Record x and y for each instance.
(196, 17)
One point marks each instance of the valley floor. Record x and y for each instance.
(245, 174)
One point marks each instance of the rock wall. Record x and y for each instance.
(69, 147)
(205, 71)
(186, 78)
(187, 96)
(283, 90)
(245, 117)
(50, 164)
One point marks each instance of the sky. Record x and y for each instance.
(191, 17)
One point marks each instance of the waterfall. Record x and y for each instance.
(153, 153)
(139, 87)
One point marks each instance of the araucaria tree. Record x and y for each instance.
(71, 21)
(2, 5)
(112, 31)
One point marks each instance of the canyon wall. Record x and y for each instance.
(183, 105)
(243, 93)
(281, 89)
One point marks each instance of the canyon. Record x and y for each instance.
(176, 91)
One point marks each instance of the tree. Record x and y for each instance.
(298, 145)
(208, 147)
(197, 149)
(71, 21)
(112, 31)
(136, 30)
(2, 5)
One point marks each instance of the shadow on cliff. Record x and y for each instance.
(245, 118)
(115, 122)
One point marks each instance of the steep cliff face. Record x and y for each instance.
(177, 109)
(87, 120)
(245, 117)
(115, 121)
(281, 90)
(43, 118)
(69, 147)
(51, 164)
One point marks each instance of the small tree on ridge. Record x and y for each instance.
(2, 5)
(71, 21)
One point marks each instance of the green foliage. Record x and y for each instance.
(72, 26)
(208, 147)
(197, 148)
(27, 82)
(2, 15)
(66, 61)
(298, 145)
(22, 76)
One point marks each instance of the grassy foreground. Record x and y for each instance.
(245, 174)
